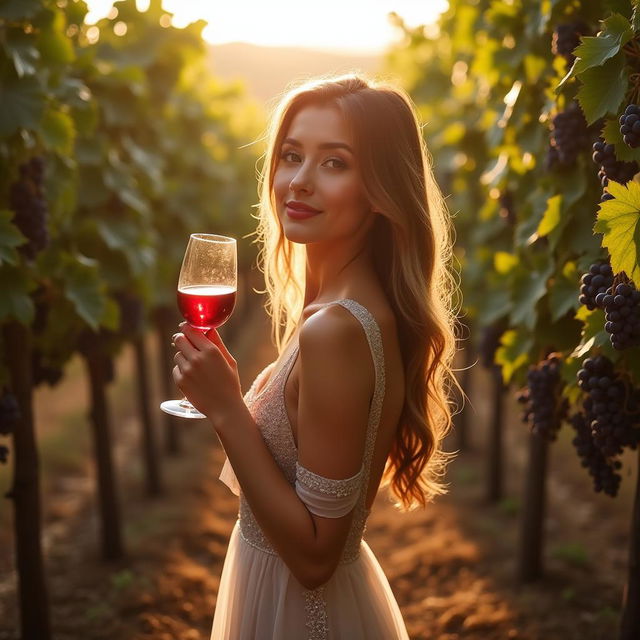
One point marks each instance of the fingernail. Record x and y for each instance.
(174, 336)
(182, 323)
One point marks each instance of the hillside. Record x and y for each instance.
(267, 71)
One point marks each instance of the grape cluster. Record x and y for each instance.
(612, 406)
(569, 135)
(603, 471)
(566, 38)
(611, 168)
(26, 199)
(622, 313)
(596, 281)
(544, 407)
(9, 413)
(630, 126)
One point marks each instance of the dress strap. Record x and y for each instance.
(374, 338)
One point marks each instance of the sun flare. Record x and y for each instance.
(356, 27)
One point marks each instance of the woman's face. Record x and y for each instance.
(317, 168)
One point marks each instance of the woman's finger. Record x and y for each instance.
(179, 359)
(213, 336)
(184, 344)
(196, 337)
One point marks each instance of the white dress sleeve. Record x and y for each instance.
(325, 496)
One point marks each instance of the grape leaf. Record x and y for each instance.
(551, 216)
(603, 88)
(513, 351)
(85, 289)
(22, 104)
(529, 285)
(15, 301)
(619, 222)
(21, 49)
(563, 292)
(10, 237)
(593, 334)
(594, 51)
(58, 131)
(19, 9)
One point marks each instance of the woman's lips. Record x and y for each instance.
(298, 214)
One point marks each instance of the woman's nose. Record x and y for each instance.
(302, 180)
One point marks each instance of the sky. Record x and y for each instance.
(338, 25)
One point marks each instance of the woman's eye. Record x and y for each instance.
(285, 155)
(338, 163)
(332, 163)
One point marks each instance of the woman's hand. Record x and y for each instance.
(206, 373)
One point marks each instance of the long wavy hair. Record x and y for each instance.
(412, 242)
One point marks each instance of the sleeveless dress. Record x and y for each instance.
(259, 598)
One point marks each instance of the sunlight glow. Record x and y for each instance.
(350, 27)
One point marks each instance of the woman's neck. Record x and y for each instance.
(332, 275)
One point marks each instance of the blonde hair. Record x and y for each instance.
(412, 240)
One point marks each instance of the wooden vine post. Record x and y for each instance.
(165, 326)
(108, 504)
(530, 563)
(495, 459)
(25, 492)
(630, 623)
(149, 441)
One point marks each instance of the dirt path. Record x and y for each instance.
(451, 566)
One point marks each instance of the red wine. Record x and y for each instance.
(206, 306)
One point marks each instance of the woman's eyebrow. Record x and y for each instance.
(324, 145)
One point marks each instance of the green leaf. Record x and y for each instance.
(593, 334)
(22, 103)
(19, 9)
(58, 131)
(603, 88)
(492, 305)
(504, 262)
(618, 220)
(595, 51)
(563, 292)
(512, 354)
(529, 285)
(15, 301)
(20, 47)
(551, 216)
(53, 43)
(10, 237)
(85, 289)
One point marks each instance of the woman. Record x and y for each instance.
(356, 251)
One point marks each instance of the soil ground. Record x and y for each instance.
(451, 566)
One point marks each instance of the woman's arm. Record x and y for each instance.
(336, 383)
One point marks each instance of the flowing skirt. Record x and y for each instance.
(260, 599)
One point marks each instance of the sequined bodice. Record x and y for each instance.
(269, 411)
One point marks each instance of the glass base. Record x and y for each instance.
(177, 408)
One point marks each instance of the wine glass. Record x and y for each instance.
(206, 294)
